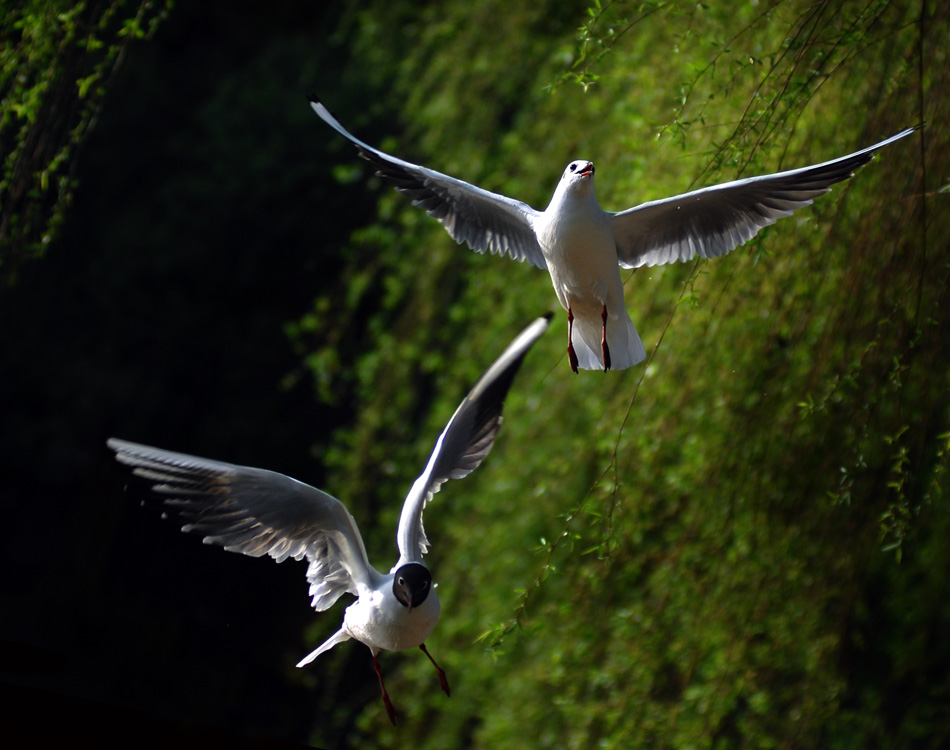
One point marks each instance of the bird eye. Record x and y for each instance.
(425, 584)
(401, 581)
(573, 167)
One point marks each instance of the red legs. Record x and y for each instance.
(570, 339)
(603, 342)
(390, 711)
(442, 680)
(572, 355)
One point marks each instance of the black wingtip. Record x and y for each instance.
(907, 131)
(548, 315)
(313, 98)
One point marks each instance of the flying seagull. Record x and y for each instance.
(583, 247)
(258, 512)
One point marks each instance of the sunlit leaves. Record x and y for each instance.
(676, 555)
(55, 62)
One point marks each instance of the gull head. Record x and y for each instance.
(579, 174)
(411, 584)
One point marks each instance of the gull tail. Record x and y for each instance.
(338, 637)
(626, 349)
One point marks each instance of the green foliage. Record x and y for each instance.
(56, 61)
(705, 551)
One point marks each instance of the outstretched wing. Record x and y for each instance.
(715, 220)
(465, 441)
(257, 512)
(485, 221)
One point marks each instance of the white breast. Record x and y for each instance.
(577, 239)
(382, 623)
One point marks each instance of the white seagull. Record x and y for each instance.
(583, 247)
(258, 512)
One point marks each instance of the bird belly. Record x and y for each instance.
(581, 256)
(584, 269)
(382, 623)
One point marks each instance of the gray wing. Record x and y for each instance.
(485, 221)
(715, 220)
(465, 441)
(257, 512)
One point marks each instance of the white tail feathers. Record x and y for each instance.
(338, 637)
(626, 349)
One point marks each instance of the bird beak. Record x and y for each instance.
(588, 170)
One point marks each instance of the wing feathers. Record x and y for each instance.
(713, 221)
(257, 512)
(465, 441)
(485, 221)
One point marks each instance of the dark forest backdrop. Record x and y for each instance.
(741, 544)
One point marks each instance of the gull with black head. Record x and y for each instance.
(258, 512)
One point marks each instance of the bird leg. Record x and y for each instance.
(390, 711)
(442, 679)
(603, 341)
(570, 339)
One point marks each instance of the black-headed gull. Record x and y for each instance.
(258, 512)
(583, 247)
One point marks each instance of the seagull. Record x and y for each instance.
(258, 512)
(584, 247)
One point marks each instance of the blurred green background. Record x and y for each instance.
(741, 544)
